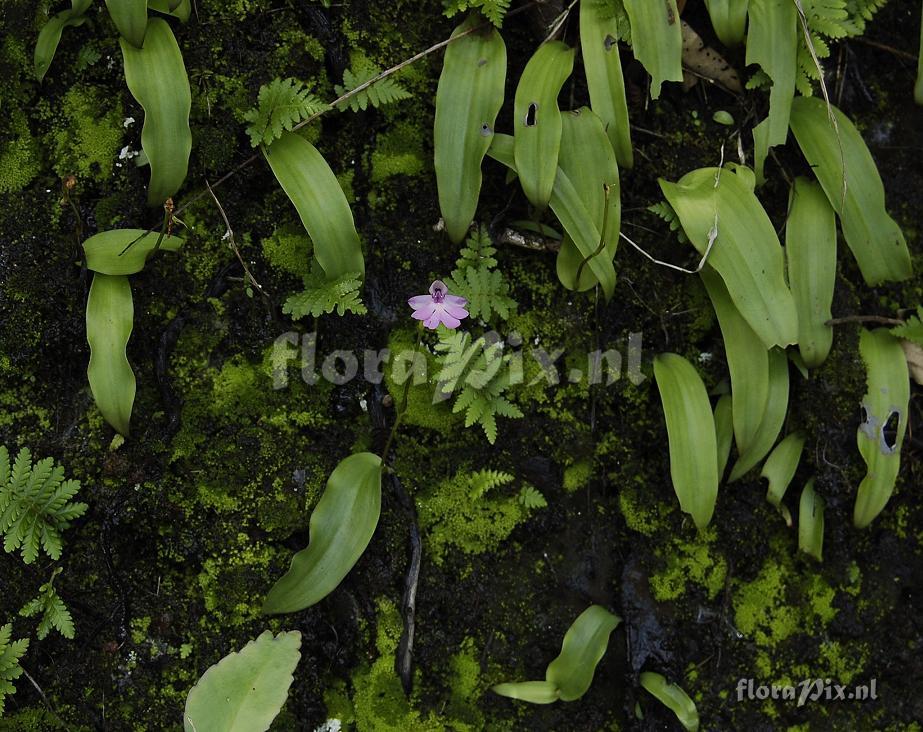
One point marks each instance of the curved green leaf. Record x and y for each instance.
(537, 119)
(779, 469)
(772, 42)
(104, 250)
(657, 40)
(881, 435)
(691, 433)
(588, 161)
(724, 430)
(50, 35)
(570, 674)
(811, 522)
(746, 251)
(110, 318)
(468, 99)
(810, 249)
(672, 697)
(177, 8)
(874, 238)
(918, 87)
(311, 185)
(157, 79)
(130, 18)
(341, 527)
(729, 19)
(571, 211)
(584, 645)
(245, 690)
(747, 358)
(773, 416)
(603, 69)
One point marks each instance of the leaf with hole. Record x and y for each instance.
(537, 119)
(599, 32)
(341, 527)
(156, 77)
(321, 204)
(468, 99)
(874, 238)
(245, 690)
(691, 434)
(881, 434)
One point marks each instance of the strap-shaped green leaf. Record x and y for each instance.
(811, 522)
(537, 119)
(918, 87)
(657, 40)
(729, 19)
(773, 416)
(874, 238)
(341, 527)
(747, 359)
(468, 99)
(177, 8)
(691, 433)
(130, 18)
(881, 435)
(746, 251)
(779, 469)
(110, 318)
(571, 211)
(156, 77)
(772, 42)
(104, 251)
(603, 69)
(724, 430)
(245, 690)
(311, 185)
(810, 251)
(588, 161)
(672, 697)
(50, 35)
(570, 674)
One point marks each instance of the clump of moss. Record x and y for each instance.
(20, 161)
(640, 509)
(288, 249)
(690, 561)
(398, 152)
(576, 476)
(87, 139)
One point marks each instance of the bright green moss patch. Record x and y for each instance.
(398, 152)
(576, 476)
(691, 561)
(19, 160)
(288, 250)
(641, 511)
(87, 140)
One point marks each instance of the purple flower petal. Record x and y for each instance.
(425, 312)
(455, 311)
(456, 300)
(418, 301)
(449, 321)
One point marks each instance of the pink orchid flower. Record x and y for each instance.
(439, 307)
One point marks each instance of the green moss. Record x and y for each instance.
(642, 513)
(20, 161)
(842, 661)
(398, 152)
(577, 476)
(451, 519)
(288, 250)
(88, 136)
(689, 561)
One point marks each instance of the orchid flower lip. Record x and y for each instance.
(439, 307)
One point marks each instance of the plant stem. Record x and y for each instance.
(864, 319)
(402, 408)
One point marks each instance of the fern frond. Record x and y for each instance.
(912, 330)
(530, 497)
(53, 611)
(10, 653)
(478, 250)
(281, 104)
(476, 280)
(322, 296)
(35, 505)
(493, 10)
(385, 91)
(665, 211)
(486, 480)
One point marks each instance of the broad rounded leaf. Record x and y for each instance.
(156, 78)
(691, 433)
(110, 318)
(534, 692)
(584, 645)
(341, 527)
(311, 185)
(468, 99)
(245, 690)
(811, 522)
(104, 250)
